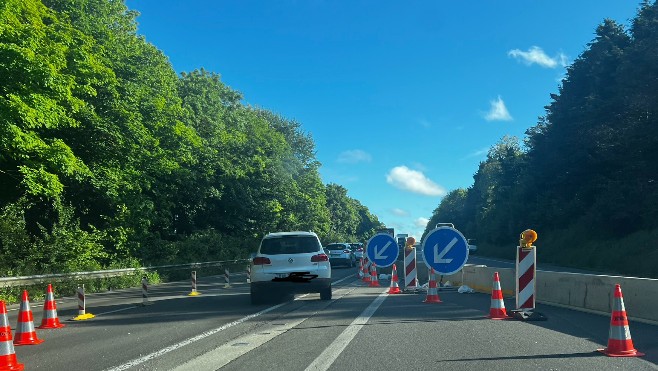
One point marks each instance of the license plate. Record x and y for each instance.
(281, 275)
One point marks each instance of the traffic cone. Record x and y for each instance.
(394, 288)
(366, 273)
(8, 360)
(374, 280)
(497, 310)
(620, 343)
(432, 291)
(25, 334)
(50, 319)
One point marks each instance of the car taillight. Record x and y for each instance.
(346, 251)
(319, 258)
(260, 260)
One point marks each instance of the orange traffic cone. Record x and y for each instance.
(374, 280)
(366, 273)
(394, 288)
(50, 319)
(25, 334)
(620, 343)
(432, 292)
(497, 310)
(8, 360)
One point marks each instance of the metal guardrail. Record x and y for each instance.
(37, 279)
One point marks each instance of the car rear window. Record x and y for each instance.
(336, 247)
(289, 245)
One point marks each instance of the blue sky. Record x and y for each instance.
(402, 98)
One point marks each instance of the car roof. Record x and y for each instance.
(294, 233)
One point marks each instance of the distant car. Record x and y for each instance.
(340, 253)
(357, 248)
(289, 263)
(472, 248)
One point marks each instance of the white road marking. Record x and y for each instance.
(204, 335)
(223, 355)
(334, 350)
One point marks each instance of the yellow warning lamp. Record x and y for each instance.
(527, 238)
(410, 242)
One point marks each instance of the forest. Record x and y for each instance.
(110, 158)
(585, 176)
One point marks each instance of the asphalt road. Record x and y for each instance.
(361, 328)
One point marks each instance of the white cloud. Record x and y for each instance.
(498, 111)
(535, 55)
(421, 222)
(399, 212)
(413, 181)
(354, 156)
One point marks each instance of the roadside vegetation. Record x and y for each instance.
(585, 176)
(109, 158)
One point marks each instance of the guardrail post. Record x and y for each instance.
(194, 292)
(145, 291)
(227, 283)
(248, 273)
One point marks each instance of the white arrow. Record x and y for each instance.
(378, 253)
(438, 256)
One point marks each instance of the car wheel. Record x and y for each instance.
(325, 294)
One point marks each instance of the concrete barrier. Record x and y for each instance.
(586, 292)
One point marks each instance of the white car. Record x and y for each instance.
(289, 263)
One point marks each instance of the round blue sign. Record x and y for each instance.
(445, 249)
(382, 250)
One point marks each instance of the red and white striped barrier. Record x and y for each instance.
(410, 272)
(526, 271)
(82, 306)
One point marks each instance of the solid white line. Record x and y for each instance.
(333, 351)
(204, 335)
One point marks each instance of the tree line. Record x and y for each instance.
(585, 177)
(109, 158)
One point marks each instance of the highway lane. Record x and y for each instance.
(402, 332)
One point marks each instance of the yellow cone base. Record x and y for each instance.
(83, 317)
(194, 293)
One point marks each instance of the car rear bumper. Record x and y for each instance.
(339, 261)
(314, 285)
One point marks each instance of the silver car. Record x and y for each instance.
(340, 253)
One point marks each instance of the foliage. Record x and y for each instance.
(110, 158)
(586, 178)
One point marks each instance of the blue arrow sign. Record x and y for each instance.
(382, 250)
(445, 249)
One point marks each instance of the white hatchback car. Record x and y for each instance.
(289, 263)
